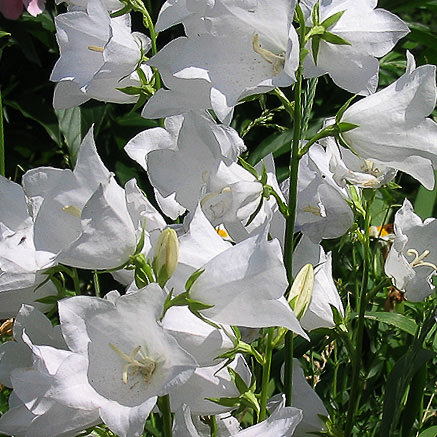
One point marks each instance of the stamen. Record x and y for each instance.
(267, 55)
(96, 49)
(145, 366)
(418, 259)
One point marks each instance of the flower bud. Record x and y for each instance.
(166, 256)
(302, 290)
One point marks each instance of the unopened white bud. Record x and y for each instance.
(302, 290)
(166, 256)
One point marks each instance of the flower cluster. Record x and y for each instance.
(206, 285)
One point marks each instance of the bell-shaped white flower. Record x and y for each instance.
(281, 423)
(371, 33)
(210, 382)
(392, 124)
(234, 281)
(244, 49)
(412, 260)
(58, 196)
(98, 55)
(322, 209)
(21, 259)
(348, 167)
(129, 358)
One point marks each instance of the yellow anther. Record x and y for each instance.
(222, 233)
(313, 210)
(145, 366)
(96, 49)
(72, 210)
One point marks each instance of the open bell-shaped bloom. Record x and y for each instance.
(236, 50)
(412, 260)
(393, 127)
(322, 209)
(129, 359)
(371, 33)
(281, 423)
(98, 55)
(348, 167)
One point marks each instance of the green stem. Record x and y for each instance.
(75, 276)
(96, 283)
(2, 141)
(362, 302)
(213, 426)
(328, 131)
(266, 374)
(167, 420)
(293, 170)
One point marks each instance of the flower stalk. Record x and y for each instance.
(292, 199)
(362, 303)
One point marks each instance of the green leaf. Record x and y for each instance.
(397, 383)
(3, 33)
(70, 126)
(394, 319)
(330, 21)
(425, 201)
(334, 39)
(277, 144)
(430, 432)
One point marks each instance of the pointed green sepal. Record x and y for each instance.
(315, 45)
(315, 14)
(345, 127)
(333, 19)
(192, 279)
(342, 110)
(248, 167)
(334, 39)
(242, 387)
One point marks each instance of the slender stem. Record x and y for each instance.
(213, 426)
(2, 141)
(96, 283)
(75, 276)
(266, 374)
(362, 302)
(293, 170)
(164, 407)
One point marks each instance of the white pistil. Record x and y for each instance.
(96, 49)
(267, 55)
(145, 366)
(418, 259)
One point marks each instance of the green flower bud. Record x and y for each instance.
(166, 256)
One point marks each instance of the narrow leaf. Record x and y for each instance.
(394, 319)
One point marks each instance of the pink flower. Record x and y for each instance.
(12, 9)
